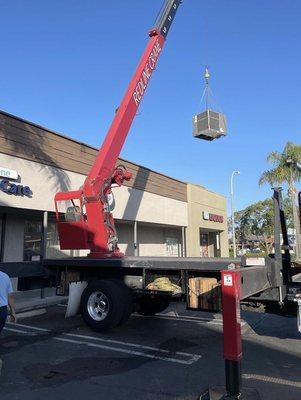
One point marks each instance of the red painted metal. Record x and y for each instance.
(94, 228)
(231, 295)
(112, 145)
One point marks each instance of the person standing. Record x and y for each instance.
(6, 301)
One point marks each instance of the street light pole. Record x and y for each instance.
(232, 211)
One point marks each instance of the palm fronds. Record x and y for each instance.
(285, 170)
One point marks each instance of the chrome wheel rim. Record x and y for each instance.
(98, 306)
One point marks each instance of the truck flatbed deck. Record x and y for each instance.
(165, 263)
(28, 269)
(23, 269)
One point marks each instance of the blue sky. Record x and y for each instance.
(66, 64)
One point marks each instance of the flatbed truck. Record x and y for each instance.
(113, 285)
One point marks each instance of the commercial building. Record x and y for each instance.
(207, 230)
(156, 215)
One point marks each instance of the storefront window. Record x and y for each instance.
(32, 240)
(172, 247)
(204, 245)
(52, 246)
(52, 235)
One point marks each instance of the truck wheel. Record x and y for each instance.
(150, 307)
(128, 301)
(104, 304)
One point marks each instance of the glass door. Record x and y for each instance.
(32, 240)
(204, 245)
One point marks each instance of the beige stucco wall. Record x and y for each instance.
(137, 205)
(125, 234)
(131, 204)
(153, 241)
(200, 200)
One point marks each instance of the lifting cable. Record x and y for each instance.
(209, 124)
(207, 96)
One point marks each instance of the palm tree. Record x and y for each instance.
(286, 169)
(285, 166)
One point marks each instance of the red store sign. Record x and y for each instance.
(213, 217)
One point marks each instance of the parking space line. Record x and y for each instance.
(19, 331)
(182, 319)
(161, 354)
(187, 319)
(272, 379)
(128, 351)
(28, 327)
(139, 346)
(191, 317)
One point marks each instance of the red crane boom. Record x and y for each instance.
(88, 222)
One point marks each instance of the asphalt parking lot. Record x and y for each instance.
(174, 355)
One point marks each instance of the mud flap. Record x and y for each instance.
(75, 293)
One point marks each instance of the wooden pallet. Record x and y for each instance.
(204, 294)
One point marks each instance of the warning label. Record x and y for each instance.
(228, 281)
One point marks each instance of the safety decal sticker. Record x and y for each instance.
(228, 281)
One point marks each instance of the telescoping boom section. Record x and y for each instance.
(84, 216)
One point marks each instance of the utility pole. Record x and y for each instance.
(232, 211)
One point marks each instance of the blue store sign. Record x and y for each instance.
(12, 188)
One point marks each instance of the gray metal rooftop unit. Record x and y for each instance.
(209, 125)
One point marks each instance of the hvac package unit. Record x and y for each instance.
(209, 125)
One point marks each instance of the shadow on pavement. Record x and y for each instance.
(271, 366)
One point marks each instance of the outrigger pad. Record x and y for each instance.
(218, 393)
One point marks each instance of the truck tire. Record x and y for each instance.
(148, 306)
(128, 302)
(105, 304)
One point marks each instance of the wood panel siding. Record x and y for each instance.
(32, 142)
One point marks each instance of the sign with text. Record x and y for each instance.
(8, 173)
(213, 217)
(11, 188)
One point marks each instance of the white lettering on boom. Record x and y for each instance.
(146, 73)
